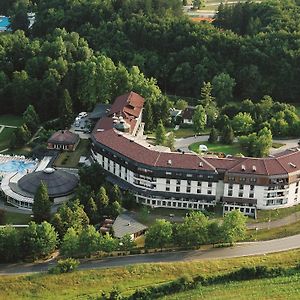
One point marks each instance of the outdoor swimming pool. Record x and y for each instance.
(16, 166)
(4, 23)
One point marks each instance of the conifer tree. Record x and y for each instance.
(41, 207)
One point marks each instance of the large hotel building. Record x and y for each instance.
(161, 178)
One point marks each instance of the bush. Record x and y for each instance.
(64, 266)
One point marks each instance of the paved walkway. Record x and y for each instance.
(240, 250)
(292, 218)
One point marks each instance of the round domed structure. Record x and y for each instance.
(59, 183)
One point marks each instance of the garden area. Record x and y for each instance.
(218, 147)
(71, 159)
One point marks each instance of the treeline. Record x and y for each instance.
(196, 230)
(49, 73)
(34, 242)
(186, 283)
(259, 50)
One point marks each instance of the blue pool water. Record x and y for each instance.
(4, 23)
(16, 166)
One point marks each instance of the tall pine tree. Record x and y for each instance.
(65, 109)
(41, 207)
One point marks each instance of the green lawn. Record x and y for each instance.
(11, 120)
(83, 284)
(17, 218)
(277, 145)
(217, 147)
(285, 287)
(70, 159)
(275, 214)
(5, 138)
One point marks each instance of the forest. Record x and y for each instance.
(100, 49)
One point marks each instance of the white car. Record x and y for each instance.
(203, 148)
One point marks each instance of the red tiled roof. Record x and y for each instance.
(127, 105)
(64, 137)
(132, 150)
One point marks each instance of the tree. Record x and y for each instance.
(108, 244)
(227, 135)
(129, 201)
(102, 201)
(114, 209)
(242, 123)
(66, 109)
(31, 118)
(116, 194)
(148, 116)
(257, 145)
(160, 134)
(92, 176)
(19, 20)
(199, 119)
(213, 136)
(181, 104)
(159, 234)
(127, 243)
(91, 211)
(46, 239)
(205, 96)
(89, 240)
(9, 244)
(214, 232)
(41, 207)
(70, 243)
(234, 226)
(171, 141)
(222, 89)
(193, 230)
(70, 214)
(38, 240)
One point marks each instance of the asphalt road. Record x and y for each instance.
(242, 249)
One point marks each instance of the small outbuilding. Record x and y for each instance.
(63, 140)
(187, 115)
(125, 224)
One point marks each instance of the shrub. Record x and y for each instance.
(64, 266)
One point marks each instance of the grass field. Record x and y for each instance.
(71, 159)
(5, 134)
(218, 147)
(273, 233)
(82, 284)
(11, 120)
(5, 138)
(275, 214)
(17, 218)
(285, 287)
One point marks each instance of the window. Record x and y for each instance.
(230, 186)
(178, 181)
(199, 183)
(188, 189)
(189, 175)
(168, 173)
(167, 188)
(252, 179)
(209, 192)
(209, 184)
(297, 184)
(242, 179)
(296, 191)
(198, 191)
(251, 195)
(231, 178)
(241, 194)
(188, 182)
(210, 177)
(241, 187)
(251, 187)
(177, 188)
(230, 193)
(168, 181)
